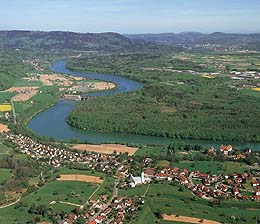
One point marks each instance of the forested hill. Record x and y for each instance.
(251, 41)
(58, 40)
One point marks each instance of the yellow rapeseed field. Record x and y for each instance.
(256, 89)
(208, 76)
(5, 107)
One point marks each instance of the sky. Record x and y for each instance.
(132, 16)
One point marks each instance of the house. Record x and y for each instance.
(174, 170)
(163, 176)
(91, 222)
(184, 172)
(106, 212)
(256, 197)
(257, 192)
(67, 221)
(226, 149)
(183, 180)
(99, 219)
(223, 188)
(150, 172)
(212, 151)
(235, 191)
(255, 183)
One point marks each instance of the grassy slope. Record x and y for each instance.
(5, 174)
(48, 193)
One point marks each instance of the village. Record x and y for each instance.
(210, 186)
(117, 209)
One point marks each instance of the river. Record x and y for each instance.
(52, 121)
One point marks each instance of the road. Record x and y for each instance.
(68, 203)
(14, 114)
(5, 206)
(114, 195)
(190, 179)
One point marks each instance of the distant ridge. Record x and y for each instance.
(52, 40)
(195, 38)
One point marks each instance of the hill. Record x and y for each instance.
(16, 47)
(59, 40)
(251, 41)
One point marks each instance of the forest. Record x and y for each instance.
(171, 105)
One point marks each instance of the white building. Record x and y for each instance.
(138, 180)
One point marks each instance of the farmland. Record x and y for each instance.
(59, 195)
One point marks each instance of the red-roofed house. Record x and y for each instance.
(99, 219)
(226, 149)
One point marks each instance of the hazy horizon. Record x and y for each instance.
(128, 33)
(132, 16)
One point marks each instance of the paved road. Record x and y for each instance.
(147, 189)
(5, 206)
(68, 203)
(190, 179)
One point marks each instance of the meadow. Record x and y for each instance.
(5, 174)
(67, 192)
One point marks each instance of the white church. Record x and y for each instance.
(134, 181)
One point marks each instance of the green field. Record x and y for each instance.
(5, 96)
(65, 170)
(66, 191)
(26, 83)
(4, 149)
(212, 167)
(105, 188)
(62, 191)
(166, 198)
(5, 174)
(162, 163)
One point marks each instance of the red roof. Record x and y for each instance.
(100, 218)
(150, 171)
(226, 148)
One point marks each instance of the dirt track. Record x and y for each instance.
(80, 177)
(4, 128)
(187, 219)
(106, 148)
